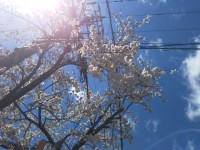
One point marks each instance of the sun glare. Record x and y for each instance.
(29, 6)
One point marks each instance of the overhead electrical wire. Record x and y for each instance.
(170, 13)
(113, 1)
(169, 48)
(150, 30)
(171, 44)
(164, 46)
(169, 30)
(166, 30)
(164, 13)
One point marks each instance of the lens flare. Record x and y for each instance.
(30, 6)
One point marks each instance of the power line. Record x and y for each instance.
(114, 1)
(169, 48)
(166, 30)
(169, 13)
(151, 30)
(163, 13)
(169, 30)
(171, 44)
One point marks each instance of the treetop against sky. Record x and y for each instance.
(46, 89)
(66, 83)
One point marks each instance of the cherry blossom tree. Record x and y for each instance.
(47, 89)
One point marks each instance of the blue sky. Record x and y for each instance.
(173, 125)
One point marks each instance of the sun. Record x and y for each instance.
(30, 6)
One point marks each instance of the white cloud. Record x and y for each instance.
(149, 2)
(132, 122)
(152, 125)
(78, 93)
(157, 43)
(178, 16)
(162, 1)
(146, 2)
(191, 70)
(190, 145)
